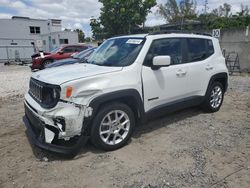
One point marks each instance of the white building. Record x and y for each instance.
(20, 37)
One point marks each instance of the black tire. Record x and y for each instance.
(46, 62)
(95, 129)
(206, 105)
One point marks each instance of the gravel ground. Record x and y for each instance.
(13, 80)
(185, 149)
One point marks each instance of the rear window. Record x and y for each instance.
(199, 49)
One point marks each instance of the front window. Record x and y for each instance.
(117, 52)
(55, 50)
(64, 41)
(168, 46)
(34, 30)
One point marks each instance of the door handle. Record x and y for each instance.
(209, 67)
(181, 72)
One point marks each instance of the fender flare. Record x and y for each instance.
(222, 75)
(109, 97)
(118, 95)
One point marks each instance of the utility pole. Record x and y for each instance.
(205, 7)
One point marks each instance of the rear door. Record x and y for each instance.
(200, 64)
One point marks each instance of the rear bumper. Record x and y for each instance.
(35, 130)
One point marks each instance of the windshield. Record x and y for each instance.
(117, 52)
(55, 50)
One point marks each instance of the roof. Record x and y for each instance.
(160, 35)
(184, 35)
(132, 36)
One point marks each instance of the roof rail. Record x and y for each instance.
(178, 31)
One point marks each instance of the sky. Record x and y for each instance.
(77, 13)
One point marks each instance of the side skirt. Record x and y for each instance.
(174, 106)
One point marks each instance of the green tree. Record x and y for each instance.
(173, 11)
(81, 35)
(222, 18)
(87, 39)
(97, 29)
(123, 17)
(223, 11)
(244, 11)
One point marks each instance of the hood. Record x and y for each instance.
(62, 62)
(60, 75)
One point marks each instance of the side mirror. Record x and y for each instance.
(161, 61)
(60, 52)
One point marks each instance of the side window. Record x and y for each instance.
(210, 48)
(170, 46)
(80, 48)
(199, 49)
(68, 49)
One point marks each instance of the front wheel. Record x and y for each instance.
(112, 126)
(214, 97)
(46, 62)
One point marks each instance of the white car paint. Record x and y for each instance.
(90, 81)
(72, 72)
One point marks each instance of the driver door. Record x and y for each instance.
(166, 84)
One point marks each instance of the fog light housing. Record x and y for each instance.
(60, 123)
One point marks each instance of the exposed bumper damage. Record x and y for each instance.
(63, 125)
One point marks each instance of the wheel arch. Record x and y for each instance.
(219, 77)
(130, 97)
(48, 59)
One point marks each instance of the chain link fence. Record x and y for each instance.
(20, 53)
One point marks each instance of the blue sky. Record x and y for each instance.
(77, 13)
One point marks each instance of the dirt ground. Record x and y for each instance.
(185, 149)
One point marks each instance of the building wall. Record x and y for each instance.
(52, 40)
(20, 28)
(15, 36)
(237, 40)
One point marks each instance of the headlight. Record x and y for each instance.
(51, 96)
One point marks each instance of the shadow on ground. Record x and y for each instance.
(142, 128)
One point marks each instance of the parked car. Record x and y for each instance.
(75, 58)
(40, 60)
(127, 80)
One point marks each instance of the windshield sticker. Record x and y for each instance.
(134, 41)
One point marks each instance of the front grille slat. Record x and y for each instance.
(36, 90)
(43, 93)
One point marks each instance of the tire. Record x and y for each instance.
(46, 62)
(107, 132)
(214, 98)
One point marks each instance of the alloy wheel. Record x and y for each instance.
(216, 97)
(114, 127)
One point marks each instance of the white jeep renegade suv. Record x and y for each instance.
(126, 80)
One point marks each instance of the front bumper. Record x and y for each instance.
(35, 129)
(36, 64)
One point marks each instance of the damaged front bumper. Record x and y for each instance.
(54, 132)
(38, 140)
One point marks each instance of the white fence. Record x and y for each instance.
(16, 53)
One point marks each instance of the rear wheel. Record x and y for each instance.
(214, 97)
(113, 126)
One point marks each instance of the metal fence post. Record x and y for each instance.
(7, 50)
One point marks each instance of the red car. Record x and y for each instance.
(41, 59)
